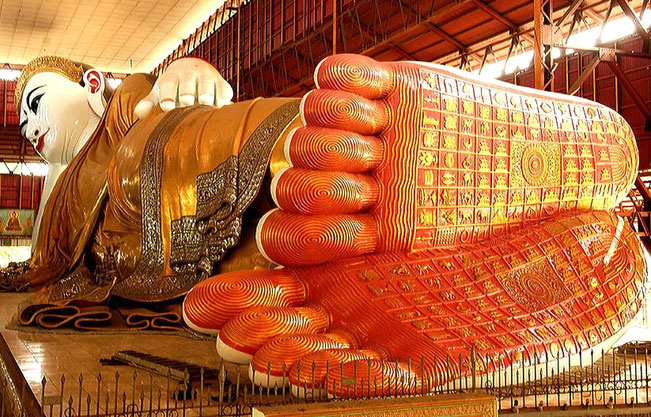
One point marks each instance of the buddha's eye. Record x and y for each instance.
(33, 105)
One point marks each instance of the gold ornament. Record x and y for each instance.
(69, 69)
(534, 165)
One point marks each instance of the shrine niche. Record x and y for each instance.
(16, 222)
(417, 212)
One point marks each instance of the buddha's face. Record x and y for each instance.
(57, 115)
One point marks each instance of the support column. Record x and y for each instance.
(543, 29)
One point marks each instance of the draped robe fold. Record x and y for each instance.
(150, 207)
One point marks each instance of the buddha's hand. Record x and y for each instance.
(185, 82)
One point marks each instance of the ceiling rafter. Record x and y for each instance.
(513, 28)
(440, 32)
(642, 32)
(395, 36)
(397, 49)
(496, 15)
(373, 35)
(524, 30)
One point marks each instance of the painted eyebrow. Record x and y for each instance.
(29, 95)
(21, 126)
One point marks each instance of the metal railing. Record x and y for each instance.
(613, 379)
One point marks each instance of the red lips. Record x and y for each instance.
(41, 142)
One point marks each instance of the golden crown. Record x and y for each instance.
(64, 66)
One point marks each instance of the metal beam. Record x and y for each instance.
(465, 63)
(593, 15)
(524, 32)
(496, 15)
(644, 6)
(638, 25)
(568, 12)
(488, 50)
(605, 50)
(394, 36)
(514, 43)
(397, 49)
(433, 28)
(605, 21)
(445, 36)
(334, 26)
(373, 35)
(596, 59)
(635, 95)
(438, 31)
(511, 26)
(543, 63)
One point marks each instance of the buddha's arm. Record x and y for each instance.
(190, 174)
(53, 173)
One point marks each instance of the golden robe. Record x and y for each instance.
(149, 208)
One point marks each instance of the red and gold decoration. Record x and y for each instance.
(425, 212)
(431, 157)
(420, 213)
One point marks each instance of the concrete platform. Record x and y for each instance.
(56, 355)
(460, 405)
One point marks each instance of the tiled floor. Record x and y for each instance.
(52, 355)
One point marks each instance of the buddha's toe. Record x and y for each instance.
(245, 333)
(297, 240)
(349, 179)
(272, 362)
(325, 205)
(356, 74)
(310, 374)
(211, 303)
(343, 110)
(305, 191)
(325, 149)
(373, 377)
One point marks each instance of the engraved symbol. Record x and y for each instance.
(467, 179)
(534, 165)
(449, 160)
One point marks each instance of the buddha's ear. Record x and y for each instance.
(95, 84)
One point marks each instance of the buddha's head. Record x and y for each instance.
(59, 103)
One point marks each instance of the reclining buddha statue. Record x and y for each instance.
(112, 203)
(398, 211)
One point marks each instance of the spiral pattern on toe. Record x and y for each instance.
(296, 240)
(323, 362)
(343, 110)
(355, 73)
(305, 191)
(216, 300)
(333, 150)
(250, 330)
(287, 350)
(374, 377)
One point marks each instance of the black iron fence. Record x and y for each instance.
(604, 381)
